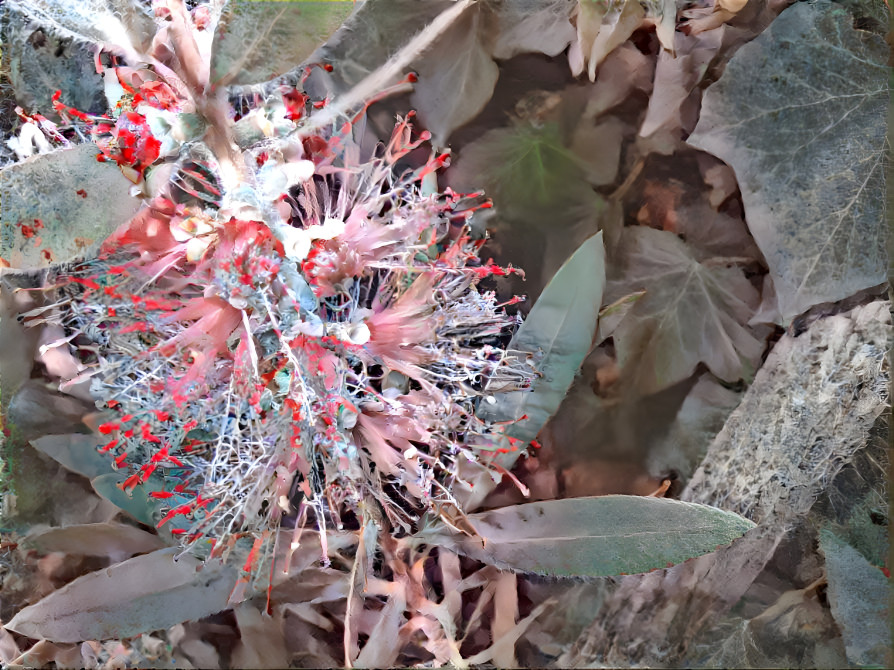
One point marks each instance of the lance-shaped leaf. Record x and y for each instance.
(77, 452)
(692, 312)
(141, 594)
(558, 332)
(124, 26)
(118, 541)
(592, 537)
(800, 115)
(257, 41)
(859, 595)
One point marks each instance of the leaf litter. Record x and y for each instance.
(561, 171)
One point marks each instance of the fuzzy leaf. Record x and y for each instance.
(123, 25)
(36, 71)
(559, 329)
(456, 77)
(691, 313)
(257, 41)
(78, 201)
(141, 594)
(592, 537)
(859, 594)
(800, 115)
(526, 26)
(77, 452)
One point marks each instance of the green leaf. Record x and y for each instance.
(257, 41)
(142, 594)
(693, 312)
(800, 115)
(47, 187)
(859, 595)
(136, 502)
(558, 332)
(592, 537)
(77, 452)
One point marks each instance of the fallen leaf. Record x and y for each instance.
(141, 594)
(698, 422)
(859, 595)
(597, 536)
(527, 26)
(625, 71)
(258, 41)
(712, 234)
(616, 27)
(456, 77)
(76, 452)
(261, 643)
(676, 77)
(116, 540)
(808, 149)
(692, 313)
(559, 332)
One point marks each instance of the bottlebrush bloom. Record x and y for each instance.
(312, 343)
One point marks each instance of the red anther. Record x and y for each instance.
(119, 461)
(412, 77)
(328, 67)
(107, 428)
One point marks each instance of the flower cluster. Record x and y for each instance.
(307, 340)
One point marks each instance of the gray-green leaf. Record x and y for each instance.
(592, 537)
(141, 594)
(559, 330)
(123, 25)
(257, 41)
(800, 115)
(78, 200)
(859, 595)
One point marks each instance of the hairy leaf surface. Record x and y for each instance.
(800, 115)
(526, 26)
(691, 313)
(77, 452)
(257, 41)
(859, 594)
(122, 25)
(141, 594)
(605, 535)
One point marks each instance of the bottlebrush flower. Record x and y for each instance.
(312, 343)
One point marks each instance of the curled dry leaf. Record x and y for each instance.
(808, 150)
(141, 594)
